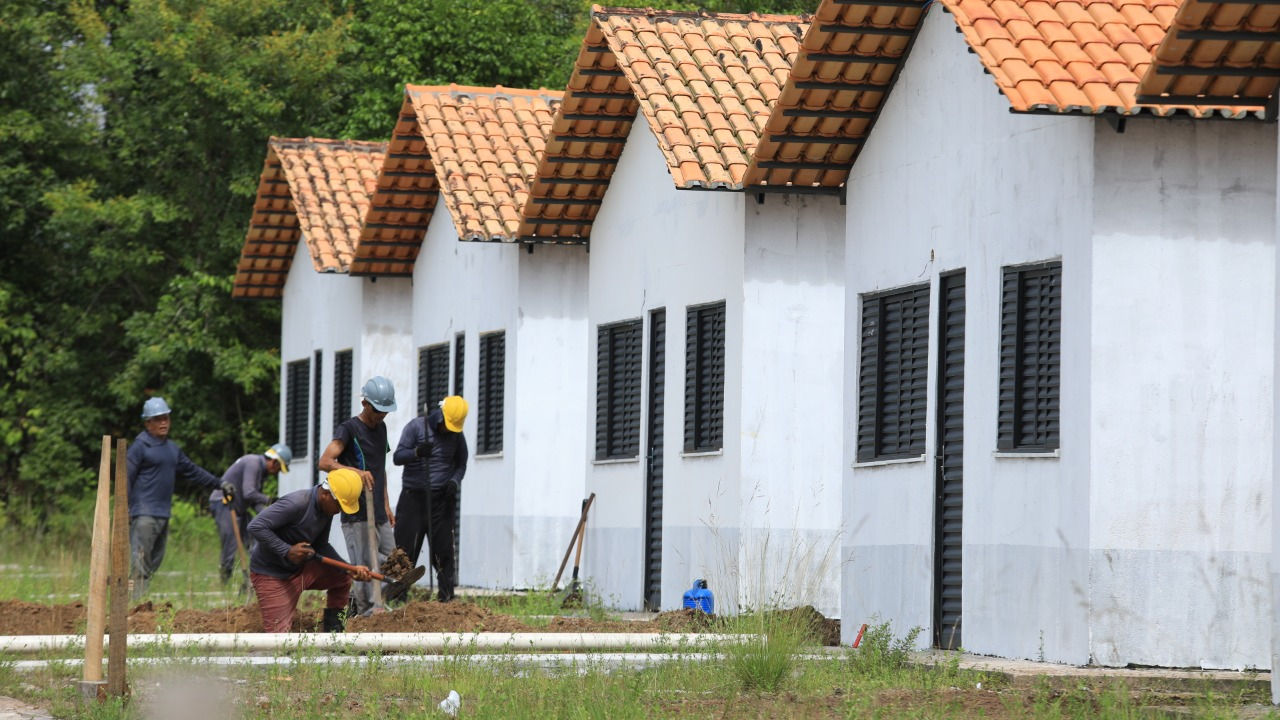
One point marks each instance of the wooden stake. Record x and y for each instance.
(99, 568)
(117, 654)
(244, 556)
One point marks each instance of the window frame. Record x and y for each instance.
(491, 393)
(432, 360)
(912, 397)
(704, 375)
(297, 407)
(1016, 367)
(618, 438)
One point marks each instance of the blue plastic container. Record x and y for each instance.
(699, 597)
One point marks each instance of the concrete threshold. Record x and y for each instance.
(1030, 670)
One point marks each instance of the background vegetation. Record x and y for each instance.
(131, 138)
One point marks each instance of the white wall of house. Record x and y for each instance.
(1274, 625)
(655, 247)
(321, 311)
(548, 403)
(792, 402)
(471, 288)
(386, 349)
(1182, 393)
(949, 180)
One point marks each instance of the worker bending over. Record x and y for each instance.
(289, 533)
(433, 452)
(360, 444)
(154, 463)
(247, 475)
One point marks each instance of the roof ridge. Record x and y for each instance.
(490, 91)
(598, 10)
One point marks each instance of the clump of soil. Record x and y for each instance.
(684, 620)
(24, 618)
(397, 564)
(821, 628)
(438, 617)
(148, 617)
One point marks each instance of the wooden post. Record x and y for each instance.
(116, 684)
(99, 568)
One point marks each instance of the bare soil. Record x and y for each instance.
(24, 618)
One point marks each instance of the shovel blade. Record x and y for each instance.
(394, 590)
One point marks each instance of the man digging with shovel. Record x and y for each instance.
(247, 476)
(293, 531)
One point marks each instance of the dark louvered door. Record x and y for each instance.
(653, 472)
(315, 418)
(949, 511)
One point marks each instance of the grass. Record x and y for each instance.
(777, 672)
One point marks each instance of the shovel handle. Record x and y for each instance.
(345, 566)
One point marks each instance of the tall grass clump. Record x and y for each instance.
(767, 653)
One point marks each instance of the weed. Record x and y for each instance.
(880, 653)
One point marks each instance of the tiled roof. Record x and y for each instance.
(1065, 56)
(1227, 53)
(310, 188)
(847, 65)
(486, 144)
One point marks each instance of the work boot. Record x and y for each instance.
(224, 574)
(446, 594)
(334, 621)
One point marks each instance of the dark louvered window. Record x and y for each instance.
(618, 360)
(298, 382)
(433, 376)
(893, 374)
(704, 378)
(317, 375)
(1030, 351)
(459, 362)
(341, 386)
(493, 351)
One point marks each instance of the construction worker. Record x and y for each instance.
(290, 533)
(247, 475)
(154, 462)
(433, 452)
(360, 444)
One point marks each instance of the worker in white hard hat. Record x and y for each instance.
(434, 454)
(360, 444)
(289, 534)
(154, 463)
(247, 475)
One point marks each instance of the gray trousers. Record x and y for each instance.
(357, 536)
(227, 534)
(147, 539)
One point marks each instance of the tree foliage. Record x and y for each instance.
(131, 139)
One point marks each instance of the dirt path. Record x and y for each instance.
(11, 709)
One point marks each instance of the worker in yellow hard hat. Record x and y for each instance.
(290, 533)
(434, 454)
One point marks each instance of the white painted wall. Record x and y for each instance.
(472, 288)
(792, 402)
(321, 311)
(950, 179)
(549, 405)
(386, 349)
(652, 247)
(1274, 625)
(1182, 393)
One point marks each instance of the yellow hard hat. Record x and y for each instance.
(346, 486)
(455, 412)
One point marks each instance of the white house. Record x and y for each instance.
(336, 331)
(501, 323)
(715, 312)
(1060, 372)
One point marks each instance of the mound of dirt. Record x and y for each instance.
(683, 621)
(24, 618)
(823, 629)
(397, 564)
(438, 617)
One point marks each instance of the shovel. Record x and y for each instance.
(572, 596)
(373, 549)
(247, 588)
(394, 588)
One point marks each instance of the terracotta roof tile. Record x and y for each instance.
(1217, 52)
(1089, 55)
(312, 189)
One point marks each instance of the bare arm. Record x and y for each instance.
(329, 462)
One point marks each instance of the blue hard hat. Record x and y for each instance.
(154, 407)
(380, 393)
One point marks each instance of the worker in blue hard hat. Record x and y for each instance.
(434, 454)
(360, 444)
(154, 463)
(247, 475)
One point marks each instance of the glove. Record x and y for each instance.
(423, 450)
(454, 487)
(228, 491)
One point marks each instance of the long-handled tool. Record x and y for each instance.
(573, 593)
(373, 549)
(582, 521)
(247, 588)
(394, 588)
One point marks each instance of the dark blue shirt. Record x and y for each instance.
(153, 465)
(447, 461)
(292, 519)
(365, 448)
(247, 474)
